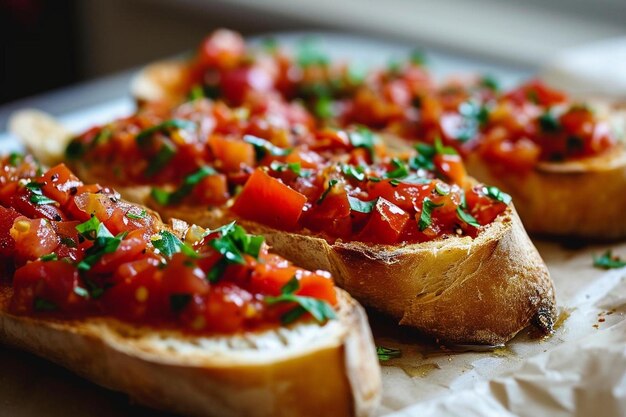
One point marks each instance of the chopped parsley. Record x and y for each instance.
(385, 353)
(49, 257)
(163, 156)
(262, 147)
(103, 242)
(363, 138)
(331, 184)
(400, 170)
(36, 196)
(608, 261)
(490, 82)
(168, 244)
(362, 206)
(356, 172)
(426, 215)
(549, 122)
(164, 127)
(294, 167)
(496, 194)
(134, 216)
(474, 115)
(417, 57)
(15, 158)
(323, 108)
(319, 309)
(466, 217)
(196, 93)
(165, 198)
(233, 244)
(442, 188)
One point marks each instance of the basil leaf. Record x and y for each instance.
(164, 127)
(331, 184)
(323, 108)
(466, 217)
(133, 216)
(608, 261)
(442, 188)
(496, 194)
(89, 229)
(196, 93)
(217, 271)
(356, 172)
(49, 257)
(549, 122)
(168, 244)
(425, 216)
(385, 353)
(103, 243)
(474, 115)
(319, 309)
(160, 160)
(15, 159)
(178, 302)
(262, 147)
(440, 149)
(362, 206)
(37, 196)
(294, 167)
(165, 198)
(400, 169)
(234, 242)
(363, 138)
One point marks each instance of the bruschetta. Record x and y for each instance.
(550, 153)
(408, 234)
(198, 322)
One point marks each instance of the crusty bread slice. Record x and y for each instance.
(459, 289)
(583, 199)
(306, 369)
(163, 81)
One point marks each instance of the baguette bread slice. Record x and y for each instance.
(306, 369)
(459, 290)
(583, 199)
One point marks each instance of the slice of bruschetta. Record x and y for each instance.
(559, 158)
(450, 260)
(203, 323)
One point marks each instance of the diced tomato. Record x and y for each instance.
(129, 248)
(237, 83)
(452, 167)
(7, 243)
(33, 238)
(222, 49)
(212, 190)
(181, 276)
(269, 201)
(385, 223)
(227, 307)
(137, 298)
(232, 154)
(318, 285)
(59, 182)
(54, 283)
(537, 92)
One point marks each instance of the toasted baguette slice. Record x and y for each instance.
(583, 199)
(303, 370)
(459, 290)
(163, 81)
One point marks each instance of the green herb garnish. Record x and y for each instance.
(331, 184)
(466, 217)
(168, 244)
(15, 158)
(164, 127)
(496, 194)
(490, 82)
(426, 215)
(549, 122)
(356, 172)
(36, 196)
(363, 138)
(49, 257)
(262, 147)
(133, 216)
(164, 198)
(294, 167)
(608, 261)
(362, 206)
(319, 309)
(309, 54)
(400, 169)
(103, 242)
(385, 353)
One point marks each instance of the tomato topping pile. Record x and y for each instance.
(515, 129)
(75, 250)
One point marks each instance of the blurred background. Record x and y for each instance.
(48, 44)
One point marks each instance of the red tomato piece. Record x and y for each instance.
(222, 49)
(60, 183)
(232, 154)
(269, 201)
(33, 238)
(385, 223)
